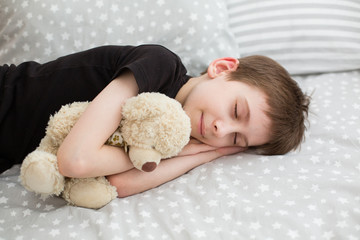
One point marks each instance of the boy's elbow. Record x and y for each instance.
(71, 165)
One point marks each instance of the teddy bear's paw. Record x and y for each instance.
(144, 159)
(149, 166)
(89, 192)
(39, 174)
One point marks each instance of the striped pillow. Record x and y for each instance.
(305, 36)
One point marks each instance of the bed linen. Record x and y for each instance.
(312, 193)
(309, 194)
(305, 36)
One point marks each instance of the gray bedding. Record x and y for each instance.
(310, 194)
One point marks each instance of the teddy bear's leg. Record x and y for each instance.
(89, 192)
(39, 173)
(144, 159)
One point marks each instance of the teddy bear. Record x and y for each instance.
(153, 127)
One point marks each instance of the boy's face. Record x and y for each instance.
(227, 113)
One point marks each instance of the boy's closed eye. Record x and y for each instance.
(246, 114)
(236, 117)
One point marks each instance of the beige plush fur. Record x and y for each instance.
(153, 127)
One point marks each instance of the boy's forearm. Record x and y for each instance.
(108, 160)
(135, 181)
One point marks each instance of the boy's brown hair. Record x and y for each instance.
(288, 105)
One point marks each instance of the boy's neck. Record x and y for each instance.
(188, 86)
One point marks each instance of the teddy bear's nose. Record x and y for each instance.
(149, 166)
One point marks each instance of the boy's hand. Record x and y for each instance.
(195, 147)
(193, 154)
(223, 151)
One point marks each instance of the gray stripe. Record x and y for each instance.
(234, 12)
(266, 29)
(284, 50)
(235, 23)
(280, 40)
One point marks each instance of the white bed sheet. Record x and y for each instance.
(311, 194)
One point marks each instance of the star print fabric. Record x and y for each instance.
(311, 194)
(43, 30)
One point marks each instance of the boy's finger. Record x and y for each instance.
(208, 156)
(194, 141)
(191, 149)
(230, 150)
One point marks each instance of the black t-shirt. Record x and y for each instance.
(31, 92)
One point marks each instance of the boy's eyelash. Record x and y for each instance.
(236, 116)
(235, 111)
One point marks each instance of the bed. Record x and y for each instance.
(311, 193)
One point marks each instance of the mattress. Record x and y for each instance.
(313, 193)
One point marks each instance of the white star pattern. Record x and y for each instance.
(134, 234)
(311, 194)
(200, 234)
(3, 200)
(138, 22)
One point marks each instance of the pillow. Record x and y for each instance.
(305, 36)
(44, 30)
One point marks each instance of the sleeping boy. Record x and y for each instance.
(237, 104)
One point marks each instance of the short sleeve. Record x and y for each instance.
(156, 69)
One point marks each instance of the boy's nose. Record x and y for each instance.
(221, 129)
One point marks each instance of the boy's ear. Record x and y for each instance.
(221, 65)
